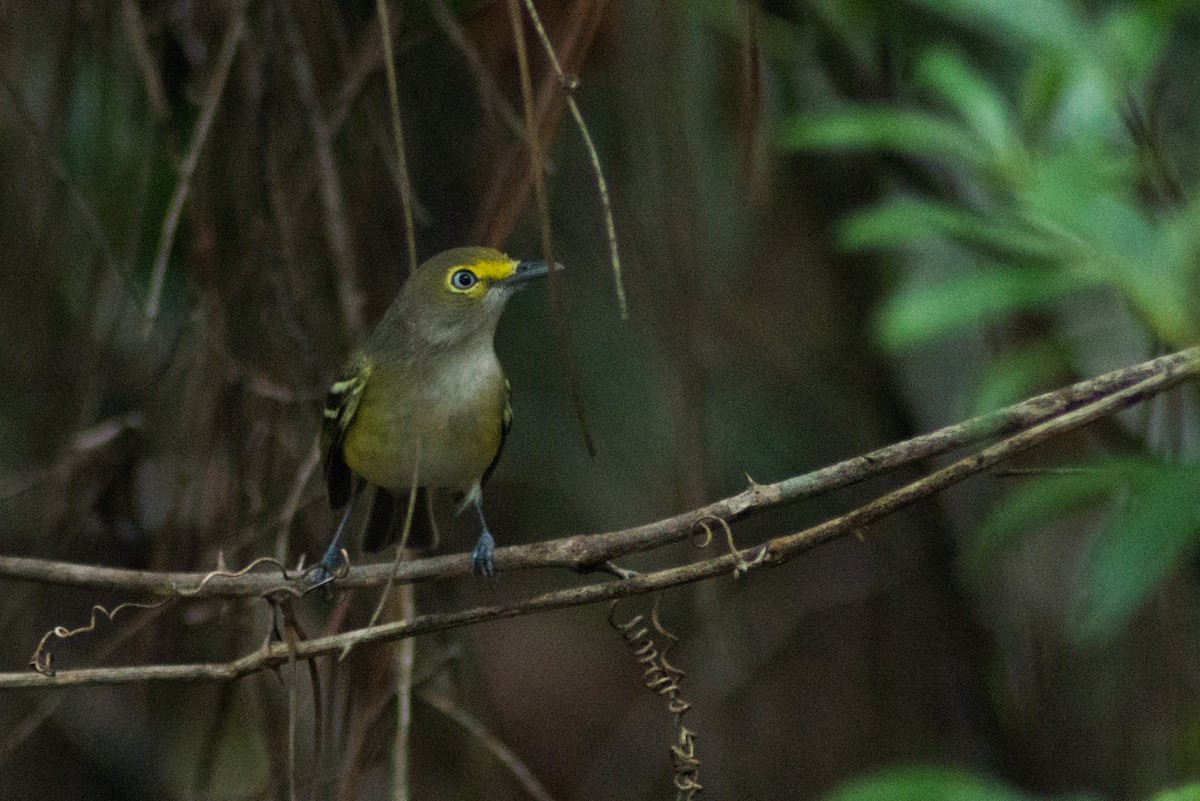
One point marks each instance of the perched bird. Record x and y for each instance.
(424, 400)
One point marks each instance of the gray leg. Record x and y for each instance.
(481, 555)
(331, 560)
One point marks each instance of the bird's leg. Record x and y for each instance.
(481, 554)
(331, 560)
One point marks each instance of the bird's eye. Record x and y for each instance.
(463, 279)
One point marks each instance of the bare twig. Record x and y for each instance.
(208, 111)
(406, 200)
(38, 140)
(405, 659)
(586, 552)
(337, 226)
(510, 181)
(23, 729)
(490, 95)
(1177, 368)
(562, 333)
(493, 744)
(570, 85)
(292, 506)
(780, 548)
(135, 31)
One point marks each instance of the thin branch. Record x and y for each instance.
(38, 140)
(491, 97)
(405, 659)
(292, 506)
(1177, 368)
(406, 200)
(135, 31)
(337, 226)
(493, 744)
(537, 170)
(208, 112)
(570, 85)
(590, 551)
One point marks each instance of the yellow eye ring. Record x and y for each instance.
(462, 280)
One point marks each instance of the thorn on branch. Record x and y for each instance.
(613, 569)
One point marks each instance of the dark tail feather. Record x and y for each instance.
(385, 523)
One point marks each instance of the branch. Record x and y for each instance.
(1072, 408)
(583, 553)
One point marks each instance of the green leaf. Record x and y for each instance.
(885, 129)
(1030, 508)
(1132, 37)
(924, 784)
(1189, 792)
(1047, 24)
(916, 315)
(1141, 545)
(1014, 377)
(973, 98)
(910, 221)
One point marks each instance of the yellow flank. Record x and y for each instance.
(455, 431)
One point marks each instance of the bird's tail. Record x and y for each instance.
(385, 522)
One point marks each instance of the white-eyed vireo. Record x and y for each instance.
(424, 400)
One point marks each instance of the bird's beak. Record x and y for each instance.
(527, 271)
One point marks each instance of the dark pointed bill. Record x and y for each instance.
(528, 271)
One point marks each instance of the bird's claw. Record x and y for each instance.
(481, 556)
(332, 565)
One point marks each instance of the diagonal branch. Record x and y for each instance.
(1073, 408)
(590, 551)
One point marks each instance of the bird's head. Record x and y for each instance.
(459, 294)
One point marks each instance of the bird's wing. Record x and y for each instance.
(506, 419)
(340, 405)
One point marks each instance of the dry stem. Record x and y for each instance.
(1034, 421)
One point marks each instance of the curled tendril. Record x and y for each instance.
(224, 572)
(664, 679)
(41, 661)
(701, 528)
(686, 765)
(743, 565)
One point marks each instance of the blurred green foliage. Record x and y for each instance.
(925, 784)
(1048, 180)
(1153, 518)
(936, 784)
(1045, 185)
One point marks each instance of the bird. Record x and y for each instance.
(424, 403)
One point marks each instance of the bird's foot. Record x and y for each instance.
(481, 556)
(332, 565)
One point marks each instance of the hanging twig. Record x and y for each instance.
(537, 171)
(570, 84)
(208, 111)
(406, 199)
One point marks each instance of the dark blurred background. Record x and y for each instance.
(841, 223)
